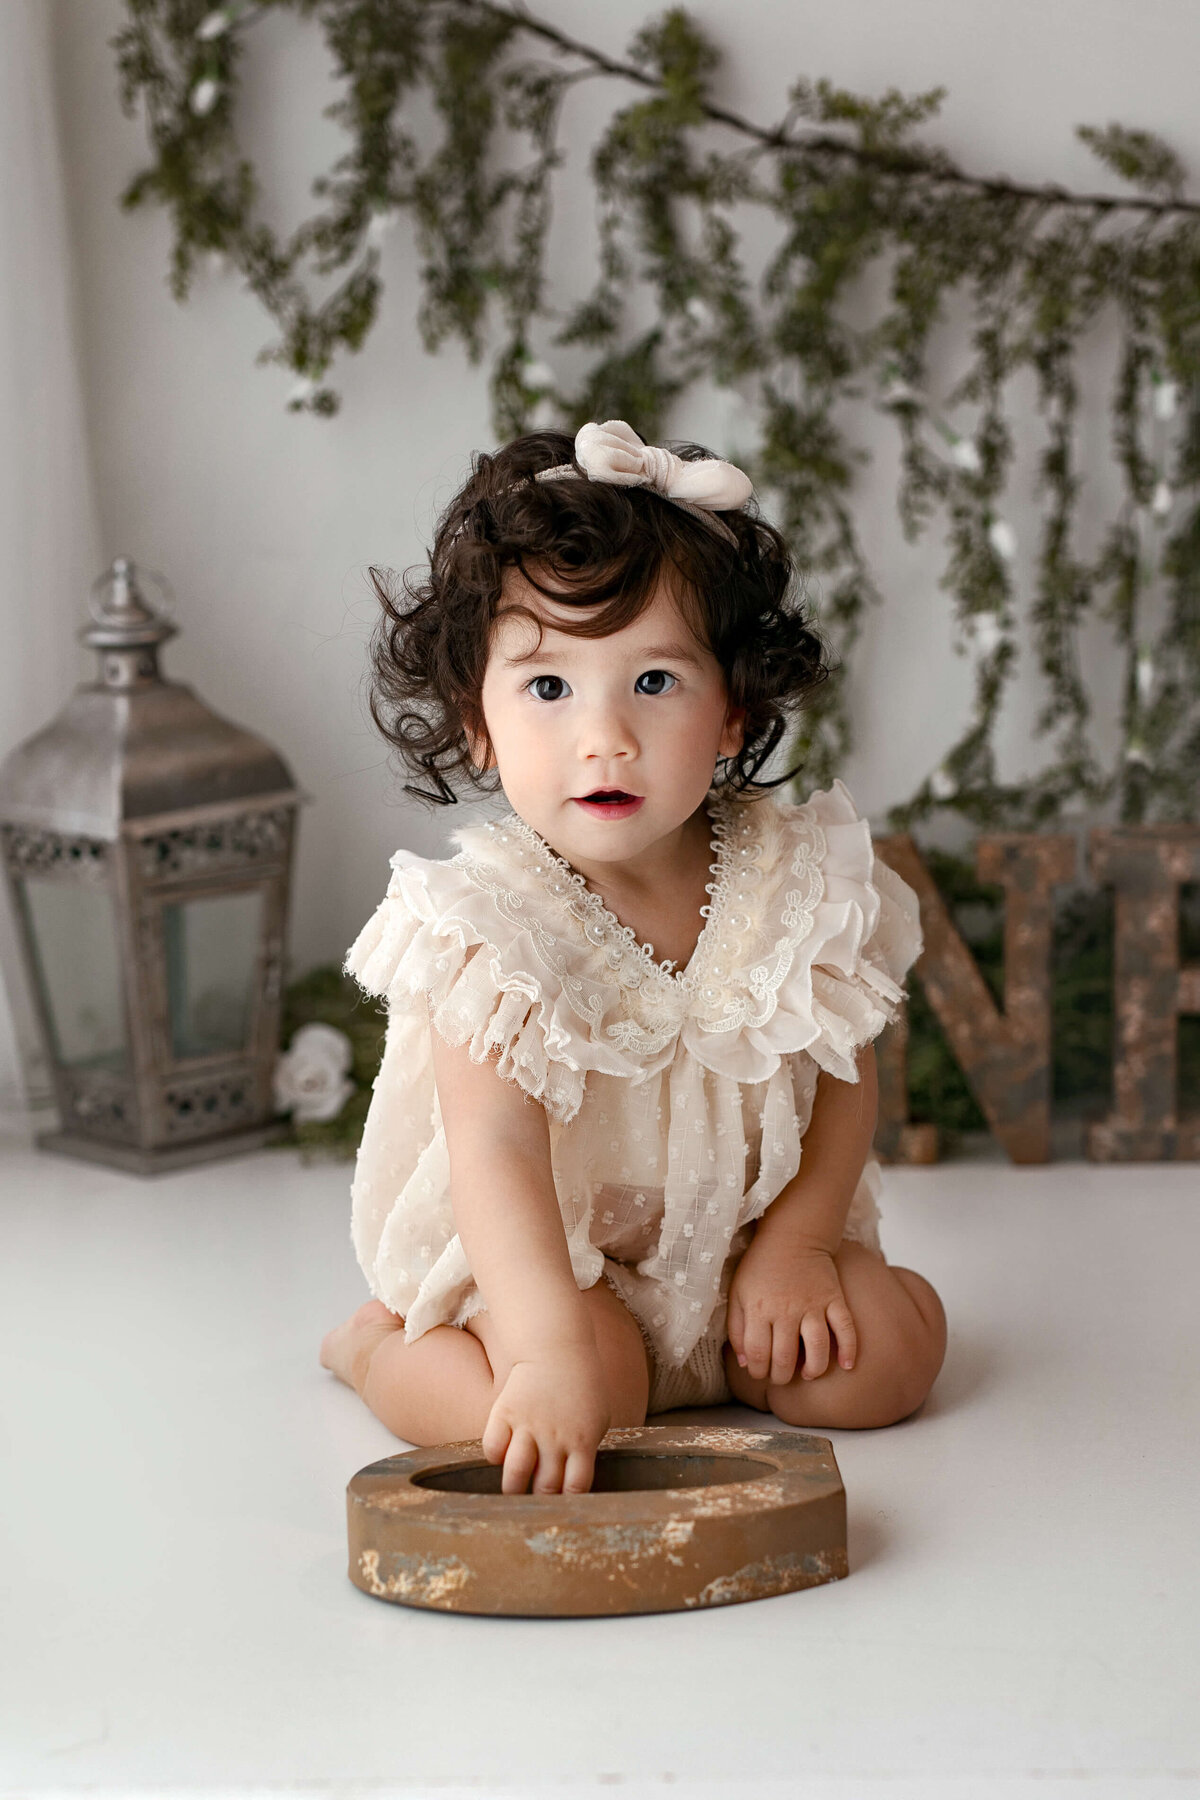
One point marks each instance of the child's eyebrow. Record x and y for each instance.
(668, 652)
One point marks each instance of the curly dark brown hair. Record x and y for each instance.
(604, 548)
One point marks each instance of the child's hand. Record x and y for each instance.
(547, 1420)
(782, 1293)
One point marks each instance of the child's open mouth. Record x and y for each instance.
(609, 803)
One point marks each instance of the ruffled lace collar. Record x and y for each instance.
(736, 850)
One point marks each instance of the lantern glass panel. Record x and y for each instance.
(76, 954)
(212, 949)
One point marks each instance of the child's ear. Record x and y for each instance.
(734, 734)
(478, 748)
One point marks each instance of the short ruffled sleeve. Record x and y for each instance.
(438, 939)
(837, 930)
(865, 934)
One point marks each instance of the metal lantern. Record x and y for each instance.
(147, 845)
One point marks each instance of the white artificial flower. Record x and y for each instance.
(1003, 539)
(302, 390)
(214, 25)
(964, 453)
(311, 1080)
(1166, 399)
(378, 228)
(1144, 672)
(1163, 500)
(700, 312)
(987, 631)
(539, 375)
(204, 96)
(942, 784)
(897, 392)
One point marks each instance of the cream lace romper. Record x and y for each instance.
(677, 1100)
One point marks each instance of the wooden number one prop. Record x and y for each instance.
(1004, 1055)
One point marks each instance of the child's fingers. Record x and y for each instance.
(551, 1465)
(756, 1347)
(735, 1324)
(519, 1463)
(497, 1435)
(580, 1472)
(815, 1333)
(845, 1333)
(785, 1350)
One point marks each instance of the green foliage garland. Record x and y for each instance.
(842, 183)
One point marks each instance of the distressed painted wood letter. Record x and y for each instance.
(1146, 865)
(1004, 1055)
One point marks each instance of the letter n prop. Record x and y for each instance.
(1146, 865)
(1005, 1056)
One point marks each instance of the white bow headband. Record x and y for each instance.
(614, 452)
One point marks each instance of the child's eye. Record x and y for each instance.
(548, 687)
(657, 682)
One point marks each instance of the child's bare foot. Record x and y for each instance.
(347, 1349)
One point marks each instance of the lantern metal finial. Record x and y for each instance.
(126, 630)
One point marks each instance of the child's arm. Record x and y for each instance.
(786, 1289)
(553, 1409)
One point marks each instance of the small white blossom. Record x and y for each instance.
(379, 226)
(1166, 399)
(539, 375)
(1003, 539)
(311, 1080)
(987, 631)
(216, 262)
(1163, 500)
(942, 784)
(964, 453)
(302, 390)
(1144, 672)
(204, 96)
(214, 25)
(700, 312)
(1136, 752)
(897, 392)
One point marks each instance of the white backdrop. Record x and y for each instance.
(265, 521)
(48, 525)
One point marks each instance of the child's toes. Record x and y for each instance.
(347, 1349)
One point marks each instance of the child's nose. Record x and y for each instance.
(606, 732)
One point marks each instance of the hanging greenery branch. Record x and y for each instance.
(843, 183)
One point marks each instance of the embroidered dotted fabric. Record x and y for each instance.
(677, 1098)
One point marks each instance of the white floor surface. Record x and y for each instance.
(1020, 1616)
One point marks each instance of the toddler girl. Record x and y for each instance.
(618, 1156)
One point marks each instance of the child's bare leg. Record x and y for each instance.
(901, 1343)
(436, 1391)
(440, 1390)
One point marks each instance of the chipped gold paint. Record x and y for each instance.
(427, 1582)
(617, 1545)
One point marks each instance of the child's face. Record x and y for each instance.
(644, 712)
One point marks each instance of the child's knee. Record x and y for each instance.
(929, 1346)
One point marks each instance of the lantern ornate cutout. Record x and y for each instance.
(147, 844)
